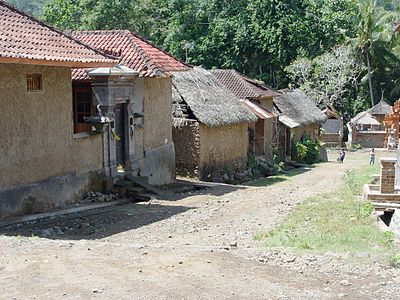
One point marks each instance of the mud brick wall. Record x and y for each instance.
(187, 149)
(388, 172)
(222, 147)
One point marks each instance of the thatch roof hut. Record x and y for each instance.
(198, 94)
(381, 109)
(210, 126)
(294, 104)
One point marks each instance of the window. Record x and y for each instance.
(34, 82)
(83, 107)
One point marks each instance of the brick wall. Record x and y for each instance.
(388, 173)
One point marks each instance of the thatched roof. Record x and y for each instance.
(198, 93)
(382, 108)
(298, 107)
(364, 118)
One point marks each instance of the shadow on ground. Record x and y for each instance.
(266, 181)
(97, 225)
(100, 223)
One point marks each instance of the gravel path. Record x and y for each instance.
(197, 246)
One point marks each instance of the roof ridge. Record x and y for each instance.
(16, 10)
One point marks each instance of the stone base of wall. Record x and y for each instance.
(210, 170)
(54, 192)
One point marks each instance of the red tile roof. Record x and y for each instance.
(134, 52)
(23, 39)
(243, 87)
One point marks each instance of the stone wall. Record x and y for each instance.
(222, 147)
(37, 140)
(187, 149)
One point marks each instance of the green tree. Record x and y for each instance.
(32, 7)
(374, 39)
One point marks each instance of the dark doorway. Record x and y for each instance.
(259, 138)
(288, 143)
(120, 131)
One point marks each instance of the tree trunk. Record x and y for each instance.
(370, 79)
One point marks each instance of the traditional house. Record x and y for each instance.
(300, 117)
(143, 110)
(263, 137)
(43, 165)
(332, 129)
(367, 128)
(210, 126)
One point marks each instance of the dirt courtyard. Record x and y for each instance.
(195, 246)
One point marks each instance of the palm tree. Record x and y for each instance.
(374, 36)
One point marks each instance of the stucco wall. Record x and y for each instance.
(222, 146)
(157, 112)
(158, 162)
(37, 140)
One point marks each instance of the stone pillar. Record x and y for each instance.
(110, 87)
(388, 173)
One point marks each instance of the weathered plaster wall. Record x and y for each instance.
(37, 140)
(157, 133)
(223, 146)
(269, 134)
(157, 112)
(187, 149)
(312, 131)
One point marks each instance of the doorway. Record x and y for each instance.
(120, 131)
(259, 138)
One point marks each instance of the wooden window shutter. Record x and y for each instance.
(34, 82)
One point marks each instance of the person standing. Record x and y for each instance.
(341, 157)
(372, 157)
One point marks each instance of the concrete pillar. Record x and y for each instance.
(388, 173)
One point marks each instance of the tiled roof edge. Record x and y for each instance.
(9, 6)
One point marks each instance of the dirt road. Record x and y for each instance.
(197, 246)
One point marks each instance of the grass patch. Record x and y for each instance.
(337, 222)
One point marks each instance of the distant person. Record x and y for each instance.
(372, 157)
(391, 142)
(341, 157)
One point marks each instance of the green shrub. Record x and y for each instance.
(301, 152)
(312, 151)
(306, 151)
